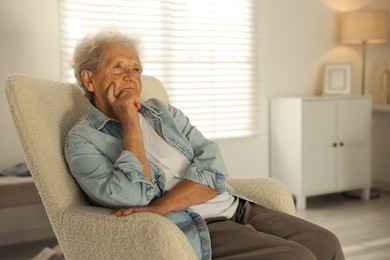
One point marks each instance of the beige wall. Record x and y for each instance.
(296, 39)
(28, 44)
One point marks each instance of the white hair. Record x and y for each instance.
(89, 52)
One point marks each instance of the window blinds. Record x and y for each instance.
(203, 51)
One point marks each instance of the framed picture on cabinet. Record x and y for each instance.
(337, 79)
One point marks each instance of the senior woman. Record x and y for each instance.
(147, 157)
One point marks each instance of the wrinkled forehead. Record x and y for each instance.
(116, 52)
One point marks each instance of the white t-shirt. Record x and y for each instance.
(175, 165)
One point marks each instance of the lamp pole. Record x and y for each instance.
(364, 46)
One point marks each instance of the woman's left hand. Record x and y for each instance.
(154, 207)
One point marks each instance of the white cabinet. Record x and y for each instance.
(321, 145)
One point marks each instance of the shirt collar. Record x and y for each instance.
(97, 118)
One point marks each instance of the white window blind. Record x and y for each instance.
(203, 51)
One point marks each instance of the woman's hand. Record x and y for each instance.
(185, 194)
(156, 206)
(125, 105)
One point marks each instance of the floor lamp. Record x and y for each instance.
(365, 27)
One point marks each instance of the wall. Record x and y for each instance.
(297, 38)
(28, 44)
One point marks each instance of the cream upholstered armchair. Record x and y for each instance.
(43, 112)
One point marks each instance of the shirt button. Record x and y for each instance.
(204, 241)
(160, 178)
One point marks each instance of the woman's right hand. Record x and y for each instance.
(125, 105)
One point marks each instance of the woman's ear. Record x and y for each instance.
(86, 77)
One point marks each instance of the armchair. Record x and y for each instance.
(43, 112)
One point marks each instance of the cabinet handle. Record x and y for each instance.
(341, 144)
(334, 144)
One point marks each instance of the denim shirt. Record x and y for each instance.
(114, 178)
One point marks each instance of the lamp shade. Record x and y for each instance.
(369, 27)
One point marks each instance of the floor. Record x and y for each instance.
(363, 227)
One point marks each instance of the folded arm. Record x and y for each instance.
(204, 179)
(109, 180)
(185, 194)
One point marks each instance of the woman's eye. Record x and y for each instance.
(117, 68)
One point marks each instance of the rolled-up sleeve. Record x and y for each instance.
(207, 165)
(206, 169)
(107, 181)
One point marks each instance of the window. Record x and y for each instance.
(203, 51)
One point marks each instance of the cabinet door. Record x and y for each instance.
(319, 156)
(354, 142)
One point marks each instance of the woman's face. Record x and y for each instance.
(119, 67)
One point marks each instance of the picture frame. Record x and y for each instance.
(337, 79)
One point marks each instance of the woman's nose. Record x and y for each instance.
(132, 72)
(129, 73)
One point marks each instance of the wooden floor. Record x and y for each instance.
(363, 227)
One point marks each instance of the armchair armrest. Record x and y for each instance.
(265, 191)
(93, 233)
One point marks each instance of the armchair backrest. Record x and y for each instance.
(43, 112)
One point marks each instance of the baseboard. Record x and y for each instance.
(381, 185)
